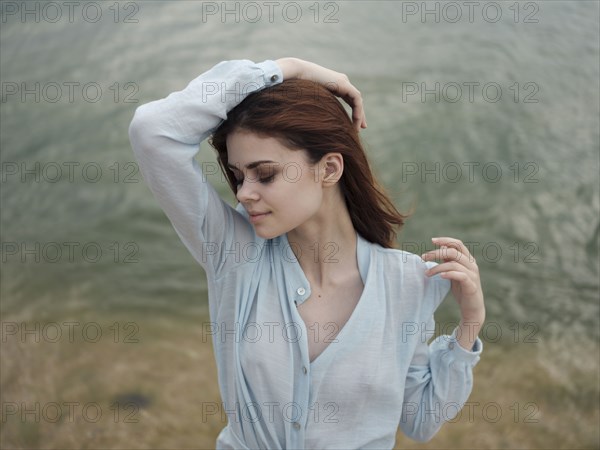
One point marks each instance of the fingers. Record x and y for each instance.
(452, 242)
(336, 82)
(453, 250)
(358, 112)
(452, 267)
(339, 84)
(460, 267)
(450, 254)
(469, 286)
(458, 276)
(352, 96)
(444, 267)
(453, 270)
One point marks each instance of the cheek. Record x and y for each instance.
(300, 197)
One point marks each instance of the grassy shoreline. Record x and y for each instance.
(155, 386)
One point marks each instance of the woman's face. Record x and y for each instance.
(286, 187)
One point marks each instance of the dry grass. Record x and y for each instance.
(172, 370)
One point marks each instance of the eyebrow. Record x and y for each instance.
(253, 165)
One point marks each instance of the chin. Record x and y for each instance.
(267, 235)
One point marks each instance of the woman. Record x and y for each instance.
(320, 327)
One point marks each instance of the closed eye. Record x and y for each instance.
(262, 180)
(267, 179)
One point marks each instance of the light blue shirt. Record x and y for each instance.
(377, 375)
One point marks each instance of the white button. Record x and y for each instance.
(301, 291)
(275, 78)
(296, 425)
(451, 345)
(304, 370)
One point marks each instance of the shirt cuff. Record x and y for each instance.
(272, 72)
(457, 352)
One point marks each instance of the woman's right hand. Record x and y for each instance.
(336, 82)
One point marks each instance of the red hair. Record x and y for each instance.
(304, 115)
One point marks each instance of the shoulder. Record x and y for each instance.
(404, 260)
(405, 272)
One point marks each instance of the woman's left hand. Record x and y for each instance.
(459, 266)
(336, 82)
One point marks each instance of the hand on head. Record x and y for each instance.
(336, 82)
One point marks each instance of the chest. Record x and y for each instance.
(326, 312)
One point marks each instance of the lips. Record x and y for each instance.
(255, 218)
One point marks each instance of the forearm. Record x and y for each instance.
(191, 114)
(440, 375)
(289, 67)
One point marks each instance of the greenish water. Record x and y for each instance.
(503, 154)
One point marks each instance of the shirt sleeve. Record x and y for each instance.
(440, 376)
(165, 136)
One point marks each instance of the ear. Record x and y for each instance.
(333, 168)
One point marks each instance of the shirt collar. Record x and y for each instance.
(298, 285)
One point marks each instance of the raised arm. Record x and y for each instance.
(165, 136)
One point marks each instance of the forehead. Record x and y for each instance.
(244, 147)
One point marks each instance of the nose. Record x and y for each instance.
(246, 191)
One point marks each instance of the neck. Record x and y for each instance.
(325, 245)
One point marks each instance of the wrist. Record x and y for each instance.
(289, 67)
(471, 325)
(468, 330)
(476, 316)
